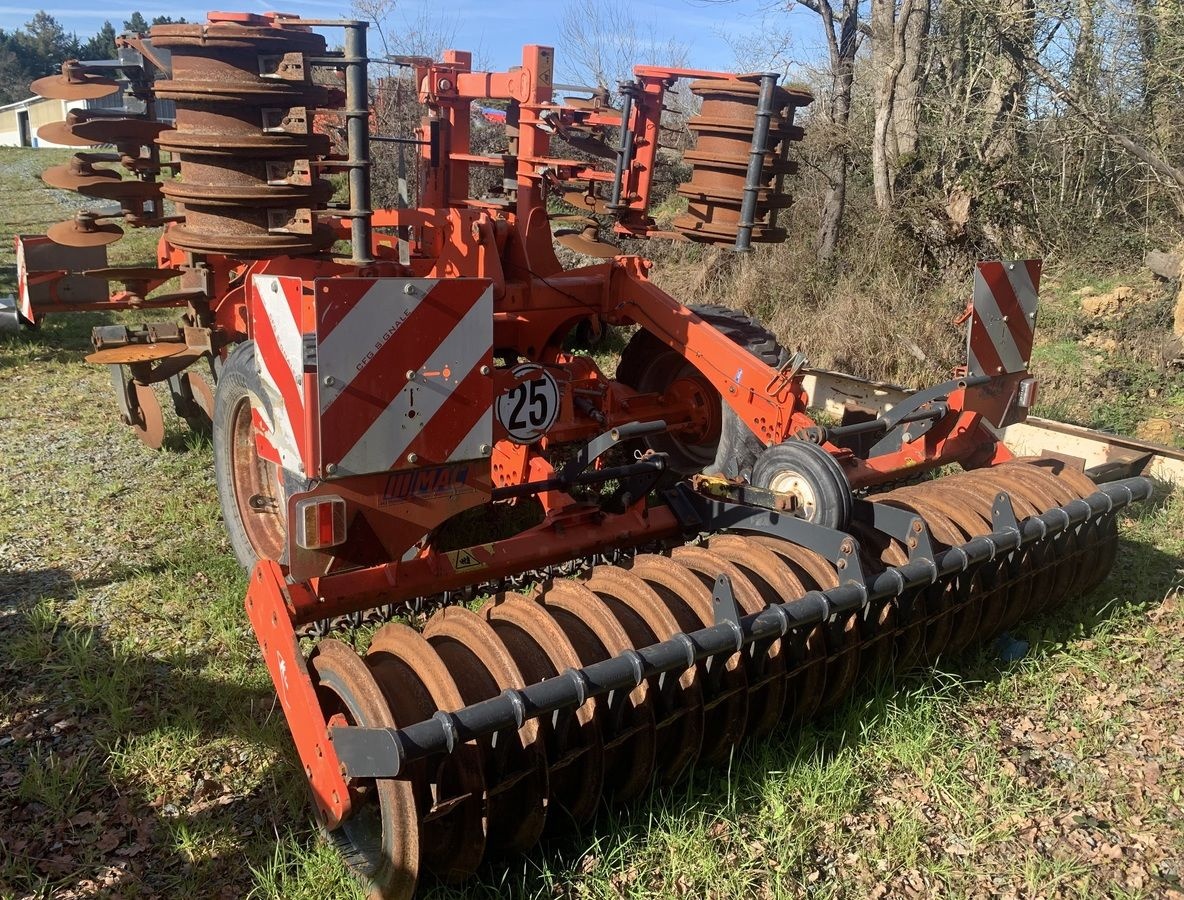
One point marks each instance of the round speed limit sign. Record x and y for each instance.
(529, 409)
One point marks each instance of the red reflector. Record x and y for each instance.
(320, 522)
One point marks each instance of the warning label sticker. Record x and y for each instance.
(466, 560)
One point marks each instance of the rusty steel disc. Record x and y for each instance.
(1103, 533)
(79, 84)
(125, 192)
(679, 700)
(541, 650)
(1079, 561)
(134, 353)
(628, 724)
(453, 823)
(589, 203)
(582, 221)
(766, 670)
(515, 770)
(725, 682)
(148, 422)
(990, 579)
(381, 833)
(843, 637)
(1053, 576)
(121, 131)
(71, 178)
(63, 133)
(71, 234)
(203, 398)
(1013, 584)
(581, 242)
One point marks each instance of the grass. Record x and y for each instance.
(142, 753)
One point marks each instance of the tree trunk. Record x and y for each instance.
(906, 104)
(842, 40)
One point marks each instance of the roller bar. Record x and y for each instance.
(383, 752)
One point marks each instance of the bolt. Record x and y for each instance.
(331, 468)
(841, 564)
(847, 546)
(409, 289)
(1010, 266)
(410, 374)
(412, 458)
(330, 381)
(906, 437)
(999, 369)
(917, 526)
(1005, 318)
(275, 287)
(485, 370)
(485, 449)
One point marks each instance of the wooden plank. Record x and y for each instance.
(829, 391)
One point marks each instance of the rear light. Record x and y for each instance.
(1026, 396)
(320, 522)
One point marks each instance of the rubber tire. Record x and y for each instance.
(832, 491)
(738, 447)
(239, 378)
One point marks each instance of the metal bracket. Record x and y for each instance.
(1003, 518)
(899, 524)
(367, 752)
(598, 446)
(723, 602)
(124, 398)
(891, 442)
(709, 514)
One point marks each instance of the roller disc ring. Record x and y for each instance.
(575, 750)
(483, 668)
(725, 693)
(453, 822)
(380, 839)
(765, 665)
(648, 620)
(630, 725)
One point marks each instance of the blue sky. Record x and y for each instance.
(495, 30)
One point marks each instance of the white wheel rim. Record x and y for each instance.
(791, 482)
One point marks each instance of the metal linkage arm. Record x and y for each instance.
(382, 752)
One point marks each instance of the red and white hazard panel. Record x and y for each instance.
(279, 355)
(403, 372)
(1003, 321)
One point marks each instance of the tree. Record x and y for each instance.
(102, 45)
(602, 42)
(136, 23)
(44, 44)
(841, 26)
(899, 29)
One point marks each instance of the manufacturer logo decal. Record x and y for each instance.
(424, 484)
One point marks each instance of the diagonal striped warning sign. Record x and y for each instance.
(1003, 320)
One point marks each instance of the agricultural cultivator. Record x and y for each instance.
(674, 557)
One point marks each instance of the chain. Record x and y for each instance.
(419, 608)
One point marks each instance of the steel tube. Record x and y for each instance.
(756, 162)
(570, 689)
(357, 131)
